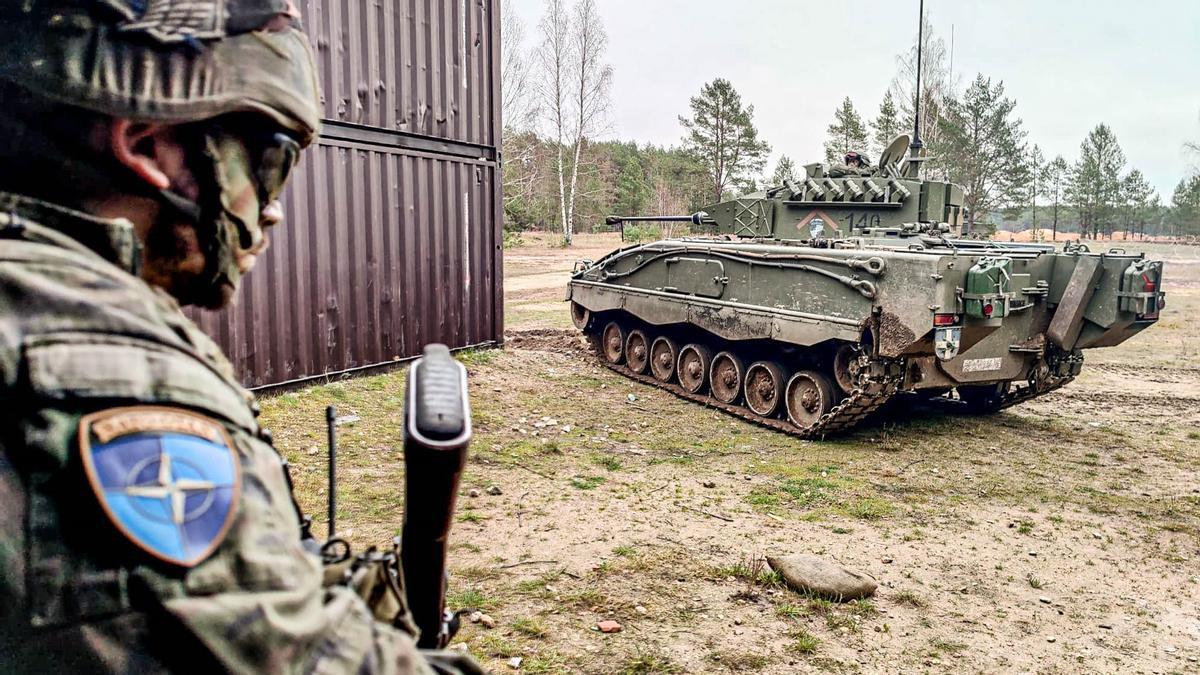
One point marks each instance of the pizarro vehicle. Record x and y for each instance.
(811, 304)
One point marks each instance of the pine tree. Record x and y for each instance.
(846, 133)
(1185, 206)
(784, 170)
(722, 137)
(1058, 173)
(984, 147)
(886, 126)
(1095, 186)
(1135, 197)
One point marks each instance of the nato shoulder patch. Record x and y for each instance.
(168, 479)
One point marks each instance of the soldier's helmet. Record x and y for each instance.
(170, 61)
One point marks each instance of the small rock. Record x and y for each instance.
(886, 561)
(495, 491)
(609, 626)
(1106, 626)
(515, 662)
(1044, 600)
(737, 622)
(631, 398)
(487, 621)
(639, 609)
(1170, 649)
(566, 428)
(812, 574)
(738, 631)
(1033, 553)
(475, 617)
(473, 493)
(1051, 638)
(346, 419)
(709, 484)
(1097, 535)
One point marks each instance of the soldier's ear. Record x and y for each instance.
(147, 149)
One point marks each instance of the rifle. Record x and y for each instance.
(437, 431)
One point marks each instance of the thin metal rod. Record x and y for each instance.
(331, 425)
(916, 143)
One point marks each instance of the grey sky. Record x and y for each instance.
(1069, 64)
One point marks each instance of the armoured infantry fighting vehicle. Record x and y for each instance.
(813, 303)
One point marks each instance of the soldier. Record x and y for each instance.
(854, 164)
(146, 521)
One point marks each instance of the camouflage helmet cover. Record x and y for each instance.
(164, 60)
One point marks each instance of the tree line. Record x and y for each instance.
(559, 176)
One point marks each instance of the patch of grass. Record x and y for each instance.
(1025, 527)
(909, 599)
(607, 461)
(868, 508)
(499, 647)
(1193, 435)
(545, 663)
(469, 598)
(804, 642)
(477, 573)
(1034, 582)
(790, 611)
(530, 627)
(477, 357)
(587, 482)
(752, 570)
(738, 661)
(841, 530)
(649, 663)
(471, 517)
(942, 645)
(625, 551)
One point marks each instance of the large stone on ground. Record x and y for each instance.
(825, 578)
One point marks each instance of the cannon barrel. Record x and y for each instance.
(699, 218)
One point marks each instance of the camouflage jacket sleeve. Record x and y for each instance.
(94, 364)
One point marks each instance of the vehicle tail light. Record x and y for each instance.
(945, 319)
(988, 309)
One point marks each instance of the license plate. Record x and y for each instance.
(981, 365)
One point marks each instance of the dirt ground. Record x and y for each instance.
(1062, 535)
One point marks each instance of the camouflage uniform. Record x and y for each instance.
(94, 360)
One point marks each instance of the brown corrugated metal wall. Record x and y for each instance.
(394, 231)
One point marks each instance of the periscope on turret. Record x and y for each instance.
(808, 305)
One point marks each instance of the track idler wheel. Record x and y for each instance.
(580, 316)
(612, 343)
(725, 377)
(809, 398)
(983, 399)
(692, 369)
(764, 387)
(663, 354)
(637, 351)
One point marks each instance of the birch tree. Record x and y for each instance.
(554, 63)
(516, 104)
(1058, 173)
(591, 81)
(937, 89)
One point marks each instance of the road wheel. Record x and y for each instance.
(725, 377)
(764, 387)
(637, 351)
(692, 369)
(580, 316)
(809, 398)
(663, 353)
(612, 343)
(845, 367)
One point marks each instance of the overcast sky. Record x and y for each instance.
(1069, 64)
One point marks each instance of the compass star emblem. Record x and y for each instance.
(167, 486)
(169, 480)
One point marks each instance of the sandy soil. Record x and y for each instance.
(1060, 536)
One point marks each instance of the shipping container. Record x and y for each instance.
(394, 231)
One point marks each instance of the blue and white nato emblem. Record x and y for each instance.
(168, 479)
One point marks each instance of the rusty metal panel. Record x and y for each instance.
(394, 230)
(416, 66)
